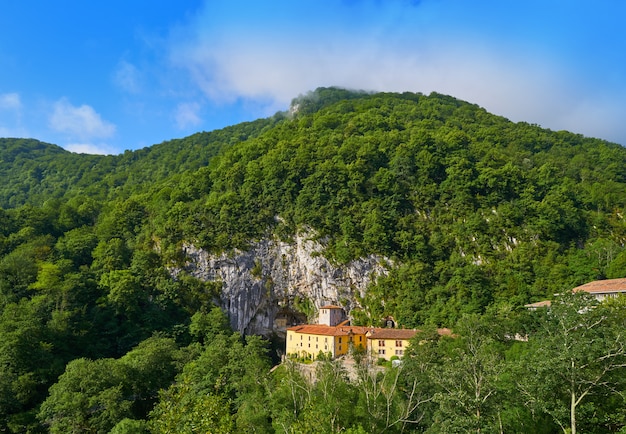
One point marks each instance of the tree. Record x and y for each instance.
(574, 360)
(149, 367)
(468, 377)
(329, 405)
(394, 399)
(94, 395)
(130, 426)
(27, 361)
(125, 293)
(77, 245)
(111, 255)
(289, 393)
(17, 271)
(88, 398)
(182, 410)
(205, 326)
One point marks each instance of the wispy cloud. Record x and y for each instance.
(90, 148)
(187, 115)
(10, 101)
(127, 77)
(81, 122)
(11, 115)
(392, 46)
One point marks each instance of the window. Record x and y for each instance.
(381, 351)
(360, 338)
(399, 352)
(316, 338)
(398, 343)
(290, 337)
(339, 347)
(325, 339)
(339, 340)
(381, 343)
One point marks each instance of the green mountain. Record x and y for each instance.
(470, 211)
(33, 172)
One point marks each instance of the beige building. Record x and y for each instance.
(599, 289)
(603, 289)
(386, 343)
(331, 315)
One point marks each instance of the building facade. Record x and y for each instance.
(598, 289)
(308, 340)
(603, 289)
(387, 343)
(335, 337)
(331, 315)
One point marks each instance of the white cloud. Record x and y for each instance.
(11, 116)
(10, 101)
(81, 122)
(13, 132)
(187, 115)
(90, 148)
(520, 82)
(280, 71)
(127, 77)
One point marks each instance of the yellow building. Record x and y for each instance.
(335, 337)
(386, 343)
(308, 340)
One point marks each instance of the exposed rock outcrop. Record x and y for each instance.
(272, 275)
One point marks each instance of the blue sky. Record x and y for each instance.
(103, 77)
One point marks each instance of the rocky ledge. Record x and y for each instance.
(266, 287)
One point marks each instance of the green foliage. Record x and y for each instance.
(130, 426)
(468, 383)
(35, 172)
(94, 395)
(577, 358)
(181, 411)
(473, 215)
(205, 327)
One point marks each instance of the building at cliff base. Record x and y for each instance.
(335, 337)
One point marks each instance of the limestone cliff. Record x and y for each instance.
(274, 277)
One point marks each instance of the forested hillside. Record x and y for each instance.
(33, 172)
(472, 208)
(476, 216)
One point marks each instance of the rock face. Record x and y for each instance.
(275, 277)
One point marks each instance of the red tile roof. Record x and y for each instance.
(544, 303)
(374, 332)
(603, 286)
(379, 333)
(331, 306)
(319, 329)
(445, 332)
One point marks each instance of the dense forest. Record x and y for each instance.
(475, 214)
